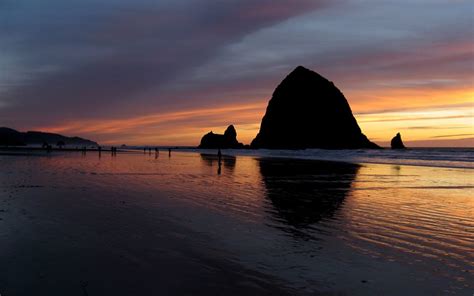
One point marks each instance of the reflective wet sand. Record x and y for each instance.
(136, 224)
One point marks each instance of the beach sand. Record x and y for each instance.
(136, 224)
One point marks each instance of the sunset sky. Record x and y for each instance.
(167, 72)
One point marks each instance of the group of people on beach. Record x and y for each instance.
(157, 151)
(149, 150)
(114, 150)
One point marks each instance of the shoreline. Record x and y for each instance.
(268, 154)
(358, 156)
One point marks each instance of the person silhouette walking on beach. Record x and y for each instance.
(169, 152)
(219, 157)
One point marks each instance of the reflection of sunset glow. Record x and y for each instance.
(415, 214)
(409, 227)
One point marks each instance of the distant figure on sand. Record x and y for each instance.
(219, 156)
(169, 152)
(47, 147)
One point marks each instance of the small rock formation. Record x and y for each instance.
(226, 141)
(309, 111)
(397, 142)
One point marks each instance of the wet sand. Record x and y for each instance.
(136, 224)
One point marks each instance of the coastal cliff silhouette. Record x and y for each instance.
(11, 137)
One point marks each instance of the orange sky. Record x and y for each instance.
(426, 115)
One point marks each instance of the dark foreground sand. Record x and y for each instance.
(136, 224)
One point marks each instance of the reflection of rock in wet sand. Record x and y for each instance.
(304, 192)
(228, 161)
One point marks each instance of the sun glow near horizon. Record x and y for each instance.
(436, 123)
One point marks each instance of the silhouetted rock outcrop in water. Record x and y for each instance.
(309, 111)
(397, 142)
(227, 140)
(11, 137)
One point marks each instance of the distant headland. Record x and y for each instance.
(11, 137)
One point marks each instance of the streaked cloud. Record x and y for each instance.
(454, 136)
(419, 123)
(167, 72)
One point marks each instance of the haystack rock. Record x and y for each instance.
(397, 142)
(309, 111)
(215, 141)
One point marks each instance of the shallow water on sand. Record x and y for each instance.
(136, 224)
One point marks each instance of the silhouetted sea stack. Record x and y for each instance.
(227, 140)
(397, 142)
(309, 111)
